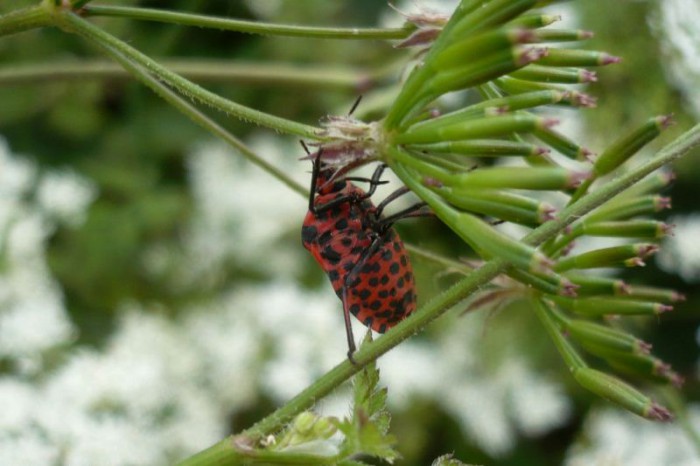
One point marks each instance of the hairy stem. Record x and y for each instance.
(24, 20)
(201, 119)
(251, 27)
(92, 33)
(258, 74)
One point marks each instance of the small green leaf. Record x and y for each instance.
(448, 460)
(366, 432)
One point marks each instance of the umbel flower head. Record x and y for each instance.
(513, 65)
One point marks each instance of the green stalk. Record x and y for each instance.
(200, 70)
(92, 33)
(223, 452)
(25, 19)
(482, 148)
(550, 322)
(201, 119)
(251, 27)
(491, 107)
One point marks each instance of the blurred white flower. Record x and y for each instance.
(492, 404)
(616, 437)
(241, 211)
(680, 253)
(32, 314)
(677, 23)
(65, 196)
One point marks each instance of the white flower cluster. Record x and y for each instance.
(32, 204)
(677, 23)
(615, 437)
(493, 403)
(680, 253)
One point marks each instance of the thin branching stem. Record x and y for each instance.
(251, 27)
(24, 19)
(92, 33)
(224, 71)
(201, 119)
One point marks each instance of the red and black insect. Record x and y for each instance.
(358, 249)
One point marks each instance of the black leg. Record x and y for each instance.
(352, 198)
(349, 279)
(412, 211)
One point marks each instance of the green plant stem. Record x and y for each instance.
(252, 27)
(259, 74)
(223, 452)
(24, 20)
(201, 119)
(92, 33)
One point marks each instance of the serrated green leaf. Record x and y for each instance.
(366, 433)
(448, 460)
(352, 463)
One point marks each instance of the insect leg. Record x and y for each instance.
(412, 211)
(348, 282)
(354, 198)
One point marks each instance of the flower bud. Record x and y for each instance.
(628, 207)
(627, 255)
(549, 74)
(591, 285)
(591, 334)
(602, 306)
(324, 427)
(304, 422)
(499, 204)
(578, 58)
(646, 229)
(616, 391)
(622, 149)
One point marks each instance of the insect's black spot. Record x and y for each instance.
(400, 283)
(341, 224)
(364, 293)
(331, 255)
(308, 233)
(347, 242)
(368, 321)
(333, 275)
(374, 281)
(397, 246)
(387, 255)
(367, 268)
(382, 328)
(348, 266)
(384, 280)
(356, 250)
(407, 276)
(383, 314)
(375, 305)
(404, 260)
(384, 294)
(354, 309)
(394, 268)
(392, 292)
(325, 237)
